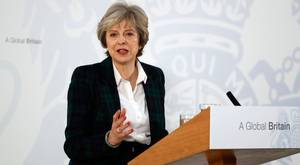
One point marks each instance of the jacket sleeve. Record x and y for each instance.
(162, 88)
(81, 142)
(158, 120)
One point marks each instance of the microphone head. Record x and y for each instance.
(232, 99)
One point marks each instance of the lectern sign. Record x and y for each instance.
(254, 127)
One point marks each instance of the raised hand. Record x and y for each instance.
(120, 129)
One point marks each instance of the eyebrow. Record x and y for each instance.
(110, 31)
(127, 30)
(131, 30)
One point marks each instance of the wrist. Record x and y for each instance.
(108, 142)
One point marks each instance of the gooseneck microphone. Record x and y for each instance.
(232, 99)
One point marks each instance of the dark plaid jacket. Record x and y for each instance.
(92, 101)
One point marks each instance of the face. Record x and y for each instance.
(122, 43)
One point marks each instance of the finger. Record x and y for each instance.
(123, 112)
(120, 121)
(124, 134)
(127, 132)
(116, 115)
(124, 126)
(119, 130)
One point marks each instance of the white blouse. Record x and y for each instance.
(134, 102)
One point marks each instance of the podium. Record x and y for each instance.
(229, 135)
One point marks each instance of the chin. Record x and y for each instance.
(123, 61)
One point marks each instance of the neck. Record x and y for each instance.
(128, 71)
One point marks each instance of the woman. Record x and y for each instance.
(116, 107)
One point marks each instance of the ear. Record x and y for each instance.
(107, 53)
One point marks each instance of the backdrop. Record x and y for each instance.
(205, 48)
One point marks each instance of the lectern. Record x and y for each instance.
(229, 135)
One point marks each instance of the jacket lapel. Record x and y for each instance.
(108, 82)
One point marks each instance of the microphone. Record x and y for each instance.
(232, 99)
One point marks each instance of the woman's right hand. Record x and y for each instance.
(120, 129)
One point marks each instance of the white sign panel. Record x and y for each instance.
(254, 127)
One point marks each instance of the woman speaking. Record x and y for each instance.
(116, 107)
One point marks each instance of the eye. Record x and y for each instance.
(130, 33)
(113, 34)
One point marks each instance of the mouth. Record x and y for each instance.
(122, 51)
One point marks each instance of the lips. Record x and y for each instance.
(122, 51)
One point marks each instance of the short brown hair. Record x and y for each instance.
(122, 11)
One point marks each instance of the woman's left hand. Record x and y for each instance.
(120, 129)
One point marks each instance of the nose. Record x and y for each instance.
(121, 39)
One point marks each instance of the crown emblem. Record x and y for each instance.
(208, 24)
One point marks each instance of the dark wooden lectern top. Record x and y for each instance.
(190, 142)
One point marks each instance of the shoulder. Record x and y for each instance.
(91, 70)
(154, 74)
(151, 70)
(84, 71)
